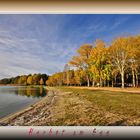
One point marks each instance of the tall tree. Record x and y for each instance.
(41, 81)
(98, 62)
(135, 58)
(120, 55)
(30, 80)
(81, 60)
(36, 79)
(66, 76)
(22, 80)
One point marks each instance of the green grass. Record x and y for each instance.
(126, 105)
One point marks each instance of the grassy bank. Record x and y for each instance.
(101, 107)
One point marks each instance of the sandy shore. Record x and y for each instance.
(31, 113)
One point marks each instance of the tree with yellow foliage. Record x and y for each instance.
(55, 80)
(81, 60)
(98, 61)
(22, 80)
(120, 51)
(41, 81)
(102, 65)
(30, 80)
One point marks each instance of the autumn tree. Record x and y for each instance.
(98, 63)
(49, 82)
(22, 80)
(66, 76)
(14, 80)
(71, 77)
(134, 58)
(120, 55)
(79, 76)
(30, 80)
(44, 76)
(55, 80)
(5, 81)
(80, 61)
(114, 73)
(41, 81)
(36, 79)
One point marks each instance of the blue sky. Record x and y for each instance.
(45, 43)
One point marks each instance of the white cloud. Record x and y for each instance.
(40, 51)
(118, 22)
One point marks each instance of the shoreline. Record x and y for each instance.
(68, 106)
(4, 121)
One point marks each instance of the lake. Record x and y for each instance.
(14, 98)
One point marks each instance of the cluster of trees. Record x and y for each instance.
(100, 65)
(35, 79)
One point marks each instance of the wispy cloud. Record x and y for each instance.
(38, 52)
(119, 21)
(44, 43)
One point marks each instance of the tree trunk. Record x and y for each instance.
(108, 83)
(100, 82)
(115, 80)
(67, 78)
(104, 83)
(137, 80)
(133, 78)
(112, 83)
(93, 83)
(122, 77)
(88, 82)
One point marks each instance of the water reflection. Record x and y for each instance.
(29, 91)
(14, 98)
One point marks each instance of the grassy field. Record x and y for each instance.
(97, 107)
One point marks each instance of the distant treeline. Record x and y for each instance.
(35, 79)
(99, 64)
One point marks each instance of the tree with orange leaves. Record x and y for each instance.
(81, 61)
(98, 62)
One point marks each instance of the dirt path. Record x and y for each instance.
(131, 90)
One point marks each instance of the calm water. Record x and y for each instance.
(14, 98)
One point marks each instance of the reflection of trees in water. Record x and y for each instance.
(31, 91)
